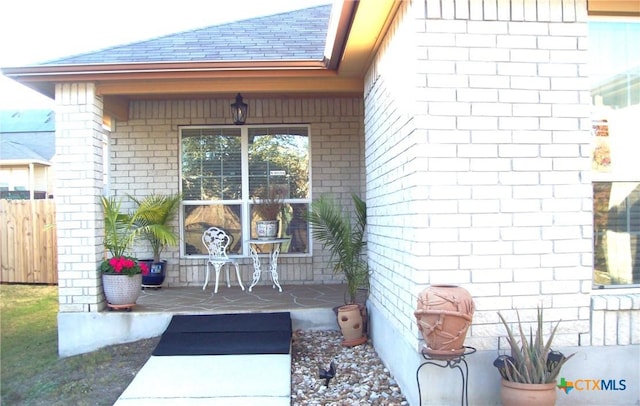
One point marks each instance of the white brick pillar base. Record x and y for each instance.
(615, 319)
(79, 174)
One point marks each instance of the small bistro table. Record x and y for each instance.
(273, 260)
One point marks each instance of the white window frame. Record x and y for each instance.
(246, 200)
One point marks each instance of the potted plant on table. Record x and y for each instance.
(333, 227)
(268, 208)
(529, 373)
(156, 212)
(121, 274)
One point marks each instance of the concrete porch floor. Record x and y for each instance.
(263, 298)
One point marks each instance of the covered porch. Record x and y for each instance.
(139, 128)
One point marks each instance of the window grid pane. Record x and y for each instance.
(212, 183)
(198, 218)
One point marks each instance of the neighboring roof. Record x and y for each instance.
(20, 121)
(27, 136)
(620, 90)
(14, 153)
(295, 35)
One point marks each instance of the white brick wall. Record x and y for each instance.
(500, 132)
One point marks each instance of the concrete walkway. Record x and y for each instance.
(224, 380)
(227, 380)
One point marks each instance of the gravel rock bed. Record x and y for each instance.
(360, 380)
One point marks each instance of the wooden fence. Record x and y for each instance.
(28, 245)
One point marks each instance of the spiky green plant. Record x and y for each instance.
(531, 360)
(120, 229)
(333, 227)
(154, 216)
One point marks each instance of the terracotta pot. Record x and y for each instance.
(350, 322)
(121, 289)
(444, 314)
(529, 394)
(365, 319)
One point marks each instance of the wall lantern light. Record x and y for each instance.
(239, 110)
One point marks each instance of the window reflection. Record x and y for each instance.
(616, 233)
(198, 218)
(614, 71)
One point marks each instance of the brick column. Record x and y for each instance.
(79, 183)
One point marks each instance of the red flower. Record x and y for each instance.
(116, 263)
(123, 265)
(127, 263)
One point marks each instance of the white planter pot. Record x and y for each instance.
(121, 289)
(267, 230)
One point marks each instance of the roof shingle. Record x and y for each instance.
(27, 135)
(295, 35)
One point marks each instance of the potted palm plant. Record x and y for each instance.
(156, 213)
(333, 227)
(267, 209)
(529, 373)
(121, 274)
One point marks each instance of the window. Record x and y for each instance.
(105, 165)
(617, 233)
(14, 179)
(225, 169)
(615, 95)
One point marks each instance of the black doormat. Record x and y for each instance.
(226, 334)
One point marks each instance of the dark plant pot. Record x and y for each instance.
(157, 271)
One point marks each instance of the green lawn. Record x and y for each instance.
(28, 340)
(31, 372)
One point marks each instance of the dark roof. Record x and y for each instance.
(295, 35)
(27, 135)
(13, 151)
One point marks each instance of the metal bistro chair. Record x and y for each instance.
(217, 241)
